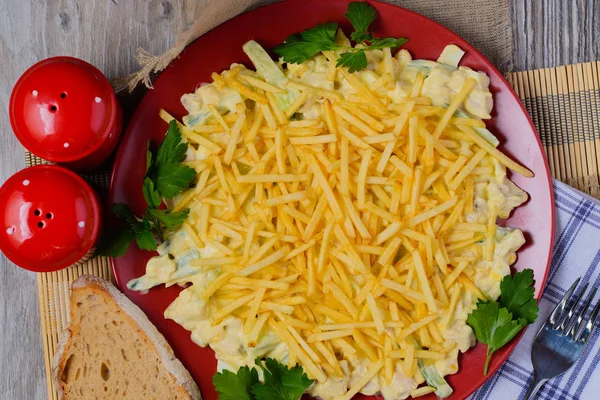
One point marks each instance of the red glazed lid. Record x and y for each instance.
(49, 218)
(63, 109)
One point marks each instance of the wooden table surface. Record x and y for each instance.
(106, 33)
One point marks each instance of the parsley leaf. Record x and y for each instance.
(361, 15)
(382, 43)
(353, 61)
(145, 240)
(495, 323)
(323, 35)
(114, 242)
(151, 195)
(236, 386)
(123, 212)
(493, 326)
(165, 177)
(166, 171)
(296, 52)
(170, 219)
(517, 295)
(141, 228)
(300, 47)
(148, 157)
(280, 383)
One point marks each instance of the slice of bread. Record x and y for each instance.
(112, 351)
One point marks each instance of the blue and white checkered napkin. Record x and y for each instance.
(576, 253)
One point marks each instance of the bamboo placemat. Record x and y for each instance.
(564, 103)
(54, 288)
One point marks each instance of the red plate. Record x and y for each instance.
(270, 25)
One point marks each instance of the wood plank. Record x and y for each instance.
(550, 33)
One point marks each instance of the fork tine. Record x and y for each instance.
(558, 311)
(571, 308)
(576, 327)
(584, 335)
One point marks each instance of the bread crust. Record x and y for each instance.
(89, 284)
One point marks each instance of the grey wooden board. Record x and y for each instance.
(549, 33)
(106, 33)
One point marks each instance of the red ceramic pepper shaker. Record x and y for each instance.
(50, 218)
(64, 110)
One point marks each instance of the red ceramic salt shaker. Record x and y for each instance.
(64, 110)
(50, 218)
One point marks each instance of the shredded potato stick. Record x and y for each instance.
(466, 170)
(324, 184)
(371, 372)
(245, 91)
(328, 94)
(357, 84)
(424, 281)
(278, 255)
(313, 370)
(490, 235)
(235, 134)
(267, 87)
(217, 116)
(370, 121)
(362, 178)
(497, 154)
(375, 314)
(433, 212)
(458, 99)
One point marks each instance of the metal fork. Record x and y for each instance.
(560, 340)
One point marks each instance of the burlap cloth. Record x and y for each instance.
(564, 103)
